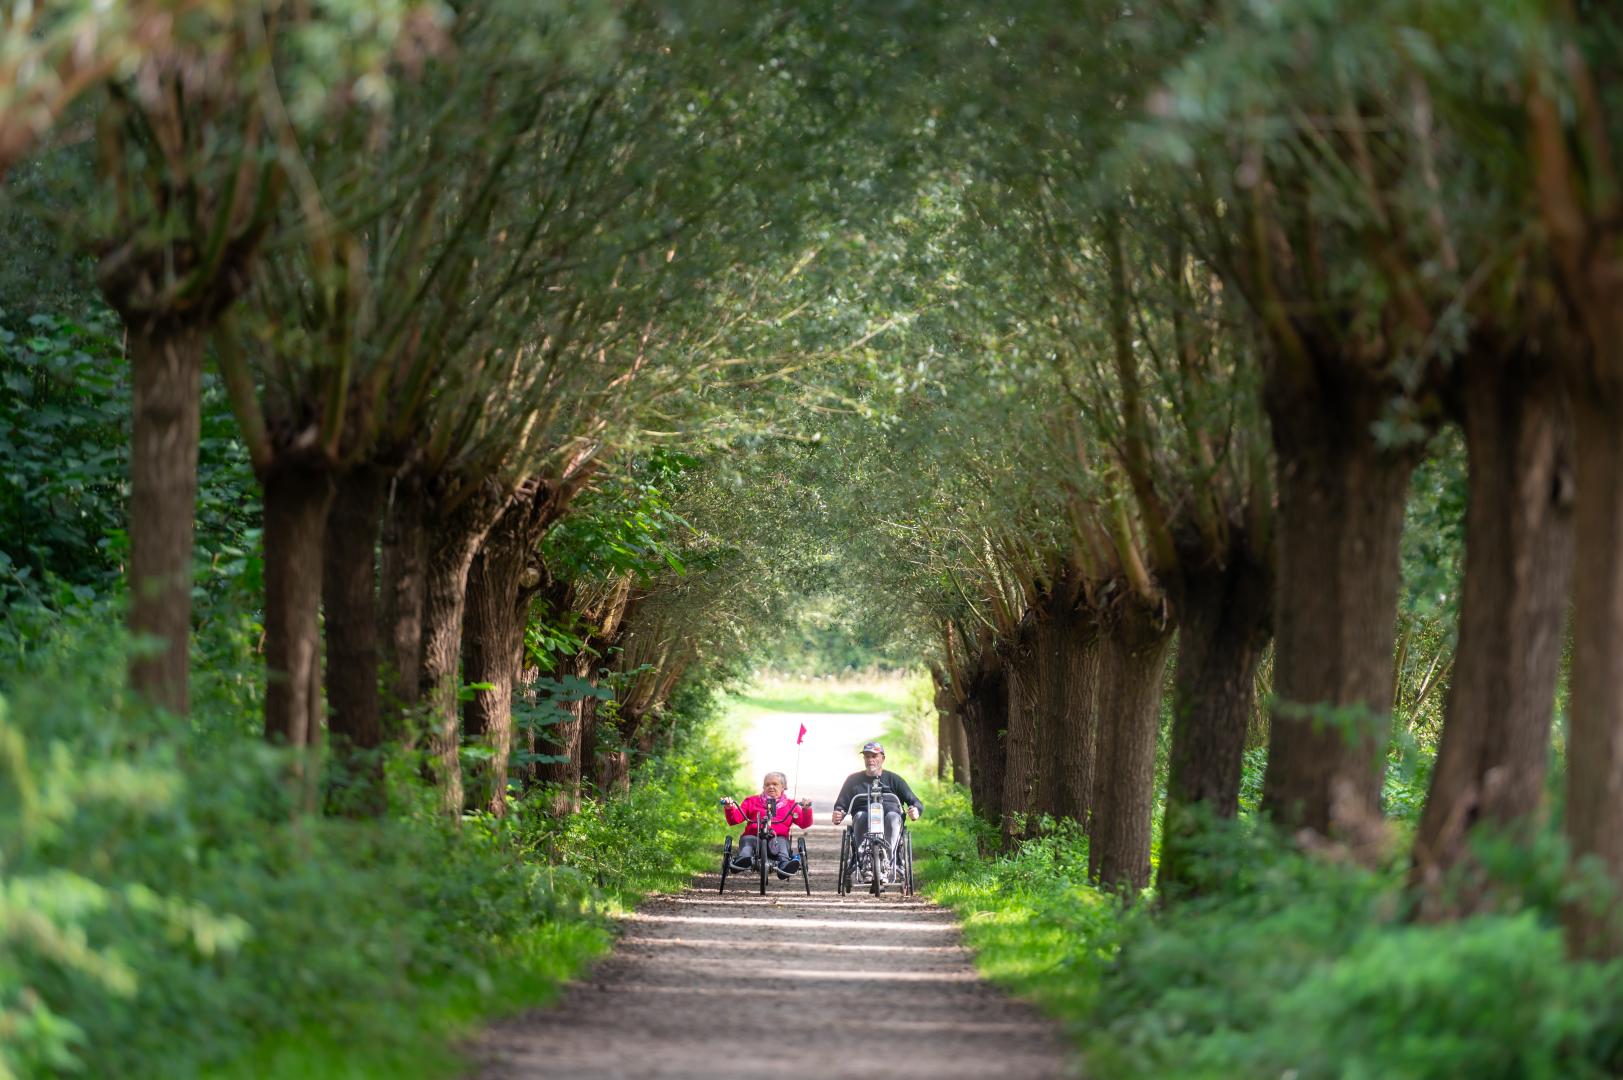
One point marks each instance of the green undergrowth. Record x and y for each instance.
(166, 911)
(1285, 964)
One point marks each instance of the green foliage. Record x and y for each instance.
(166, 907)
(64, 434)
(1284, 964)
(653, 838)
(1295, 964)
(1035, 923)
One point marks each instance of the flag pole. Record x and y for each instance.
(799, 742)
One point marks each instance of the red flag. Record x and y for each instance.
(802, 736)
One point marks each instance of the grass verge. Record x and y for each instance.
(1282, 963)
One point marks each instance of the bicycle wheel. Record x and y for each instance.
(844, 866)
(873, 868)
(805, 872)
(762, 859)
(907, 866)
(726, 861)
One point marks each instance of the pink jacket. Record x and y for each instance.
(753, 808)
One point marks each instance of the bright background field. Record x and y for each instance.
(840, 714)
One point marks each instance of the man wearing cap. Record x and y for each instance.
(873, 765)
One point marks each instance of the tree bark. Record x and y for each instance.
(958, 749)
(167, 374)
(349, 589)
(985, 717)
(1341, 502)
(1227, 607)
(1594, 808)
(451, 551)
(586, 767)
(1132, 665)
(1518, 564)
(1068, 653)
(951, 740)
(403, 589)
(296, 499)
(568, 742)
(493, 640)
(1020, 745)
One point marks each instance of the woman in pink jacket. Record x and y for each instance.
(784, 813)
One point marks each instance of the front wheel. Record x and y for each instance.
(878, 885)
(907, 867)
(843, 870)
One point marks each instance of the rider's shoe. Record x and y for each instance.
(791, 865)
(783, 873)
(743, 863)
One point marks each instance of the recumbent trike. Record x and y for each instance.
(867, 859)
(763, 860)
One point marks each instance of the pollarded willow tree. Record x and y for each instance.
(192, 146)
(371, 303)
(1570, 102)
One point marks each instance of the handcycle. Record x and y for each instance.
(870, 854)
(763, 831)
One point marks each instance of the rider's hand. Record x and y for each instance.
(839, 816)
(727, 800)
(913, 813)
(805, 802)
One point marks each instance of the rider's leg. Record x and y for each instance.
(746, 853)
(859, 838)
(893, 830)
(784, 852)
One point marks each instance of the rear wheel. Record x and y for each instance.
(907, 865)
(726, 861)
(842, 872)
(805, 872)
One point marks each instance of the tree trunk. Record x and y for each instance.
(1222, 633)
(613, 774)
(349, 597)
(1132, 665)
(1020, 746)
(1594, 810)
(493, 641)
(167, 373)
(1341, 502)
(985, 716)
(1068, 651)
(403, 580)
(951, 739)
(958, 749)
(295, 507)
(1518, 564)
(450, 557)
(568, 742)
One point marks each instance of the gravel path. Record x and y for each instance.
(705, 985)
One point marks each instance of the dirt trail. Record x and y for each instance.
(706, 985)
